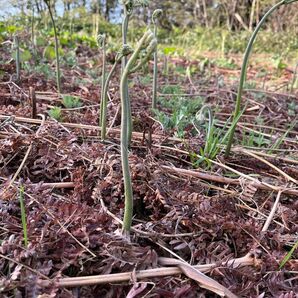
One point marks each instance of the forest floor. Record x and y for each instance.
(237, 214)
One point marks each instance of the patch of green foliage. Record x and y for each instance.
(181, 111)
(71, 102)
(55, 113)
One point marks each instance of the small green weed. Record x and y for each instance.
(288, 255)
(55, 113)
(226, 63)
(182, 111)
(71, 102)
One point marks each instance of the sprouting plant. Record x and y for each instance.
(128, 6)
(244, 68)
(215, 138)
(101, 42)
(58, 75)
(155, 16)
(55, 113)
(17, 53)
(288, 255)
(23, 215)
(147, 43)
(71, 102)
(124, 51)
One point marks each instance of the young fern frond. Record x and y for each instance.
(128, 6)
(17, 53)
(101, 42)
(144, 43)
(124, 51)
(155, 16)
(58, 75)
(244, 69)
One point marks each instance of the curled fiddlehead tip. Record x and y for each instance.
(124, 51)
(156, 15)
(142, 3)
(148, 36)
(101, 40)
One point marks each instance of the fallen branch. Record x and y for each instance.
(248, 260)
(112, 131)
(225, 180)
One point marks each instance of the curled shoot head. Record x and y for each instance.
(131, 4)
(157, 13)
(101, 40)
(125, 50)
(148, 44)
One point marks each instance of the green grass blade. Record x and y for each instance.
(288, 255)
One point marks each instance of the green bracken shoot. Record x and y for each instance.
(18, 62)
(148, 43)
(244, 68)
(156, 14)
(101, 42)
(125, 51)
(58, 75)
(23, 215)
(128, 6)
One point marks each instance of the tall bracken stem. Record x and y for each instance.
(101, 40)
(156, 14)
(18, 62)
(58, 75)
(244, 70)
(126, 14)
(146, 42)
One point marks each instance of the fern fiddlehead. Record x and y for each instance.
(155, 16)
(123, 52)
(244, 70)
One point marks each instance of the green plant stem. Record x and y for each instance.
(123, 63)
(244, 70)
(58, 75)
(103, 81)
(18, 62)
(155, 70)
(104, 102)
(210, 127)
(125, 118)
(23, 215)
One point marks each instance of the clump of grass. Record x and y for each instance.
(71, 102)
